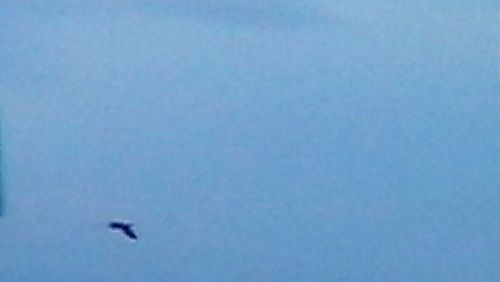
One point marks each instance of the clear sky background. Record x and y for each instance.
(260, 140)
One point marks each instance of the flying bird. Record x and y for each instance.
(124, 227)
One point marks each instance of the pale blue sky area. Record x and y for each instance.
(250, 140)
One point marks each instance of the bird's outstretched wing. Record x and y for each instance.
(116, 225)
(130, 233)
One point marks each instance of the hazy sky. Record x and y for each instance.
(250, 140)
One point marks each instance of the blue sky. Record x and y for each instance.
(250, 140)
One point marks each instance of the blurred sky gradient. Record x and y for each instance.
(250, 140)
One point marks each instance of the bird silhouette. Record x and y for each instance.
(124, 227)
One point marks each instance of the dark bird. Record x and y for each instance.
(124, 227)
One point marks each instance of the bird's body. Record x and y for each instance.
(124, 227)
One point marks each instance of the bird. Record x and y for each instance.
(124, 227)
